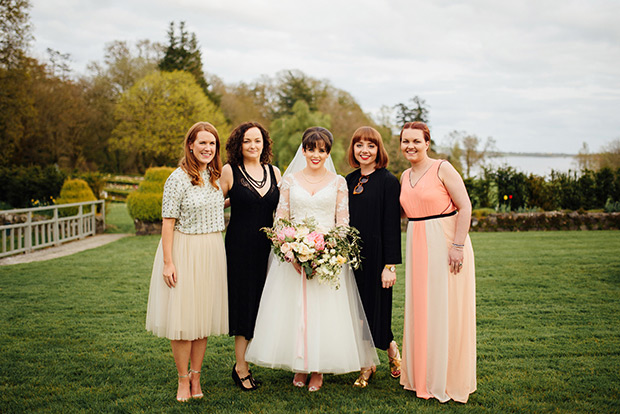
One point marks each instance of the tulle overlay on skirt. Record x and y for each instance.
(336, 339)
(197, 306)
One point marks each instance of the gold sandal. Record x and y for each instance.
(395, 363)
(362, 380)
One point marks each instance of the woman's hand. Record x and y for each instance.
(170, 275)
(388, 278)
(455, 259)
(297, 266)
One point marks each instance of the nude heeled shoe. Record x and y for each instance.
(191, 371)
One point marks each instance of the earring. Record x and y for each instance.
(191, 151)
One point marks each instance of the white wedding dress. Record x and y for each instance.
(327, 332)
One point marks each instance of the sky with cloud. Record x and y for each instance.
(536, 75)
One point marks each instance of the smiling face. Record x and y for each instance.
(316, 157)
(413, 145)
(252, 144)
(204, 148)
(365, 153)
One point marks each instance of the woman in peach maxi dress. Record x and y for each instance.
(439, 337)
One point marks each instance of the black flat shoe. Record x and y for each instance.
(239, 381)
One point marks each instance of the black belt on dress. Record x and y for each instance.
(453, 212)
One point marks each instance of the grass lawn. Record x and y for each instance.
(117, 219)
(548, 304)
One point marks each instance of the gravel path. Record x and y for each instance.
(62, 250)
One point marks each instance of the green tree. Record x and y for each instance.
(291, 86)
(123, 64)
(183, 53)
(15, 32)
(58, 135)
(154, 115)
(417, 112)
(610, 155)
(286, 132)
(16, 102)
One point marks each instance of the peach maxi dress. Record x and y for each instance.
(439, 337)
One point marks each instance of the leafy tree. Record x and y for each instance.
(540, 193)
(243, 102)
(183, 53)
(122, 66)
(154, 115)
(568, 190)
(286, 132)
(15, 32)
(58, 135)
(465, 148)
(16, 102)
(291, 86)
(610, 155)
(418, 112)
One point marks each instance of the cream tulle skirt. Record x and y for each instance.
(197, 306)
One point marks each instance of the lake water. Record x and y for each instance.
(539, 165)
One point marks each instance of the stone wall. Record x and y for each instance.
(550, 220)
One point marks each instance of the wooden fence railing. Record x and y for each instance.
(48, 226)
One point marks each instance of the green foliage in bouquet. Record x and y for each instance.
(320, 253)
(145, 203)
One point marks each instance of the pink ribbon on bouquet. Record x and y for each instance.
(302, 337)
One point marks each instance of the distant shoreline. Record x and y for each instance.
(531, 154)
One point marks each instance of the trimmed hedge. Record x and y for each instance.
(144, 204)
(74, 191)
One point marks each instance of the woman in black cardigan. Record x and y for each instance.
(374, 209)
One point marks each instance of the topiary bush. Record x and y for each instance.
(74, 190)
(144, 204)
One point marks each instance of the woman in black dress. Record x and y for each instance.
(374, 210)
(251, 184)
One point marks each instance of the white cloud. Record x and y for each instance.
(535, 75)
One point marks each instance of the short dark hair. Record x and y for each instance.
(235, 140)
(369, 134)
(313, 135)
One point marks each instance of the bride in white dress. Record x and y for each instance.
(311, 327)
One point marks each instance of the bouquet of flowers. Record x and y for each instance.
(320, 253)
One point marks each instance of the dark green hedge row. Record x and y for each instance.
(22, 187)
(509, 190)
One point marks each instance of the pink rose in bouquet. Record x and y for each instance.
(318, 240)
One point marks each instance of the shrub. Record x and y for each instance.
(482, 212)
(158, 174)
(95, 180)
(74, 191)
(145, 203)
(145, 206)
(26, 186)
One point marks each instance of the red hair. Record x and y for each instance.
(190, 164)
(417, 125)
(372, 135)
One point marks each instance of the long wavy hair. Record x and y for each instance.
(190, 164)
(372, 135)
(235, 141)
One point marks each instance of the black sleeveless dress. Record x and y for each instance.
(247, 249)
